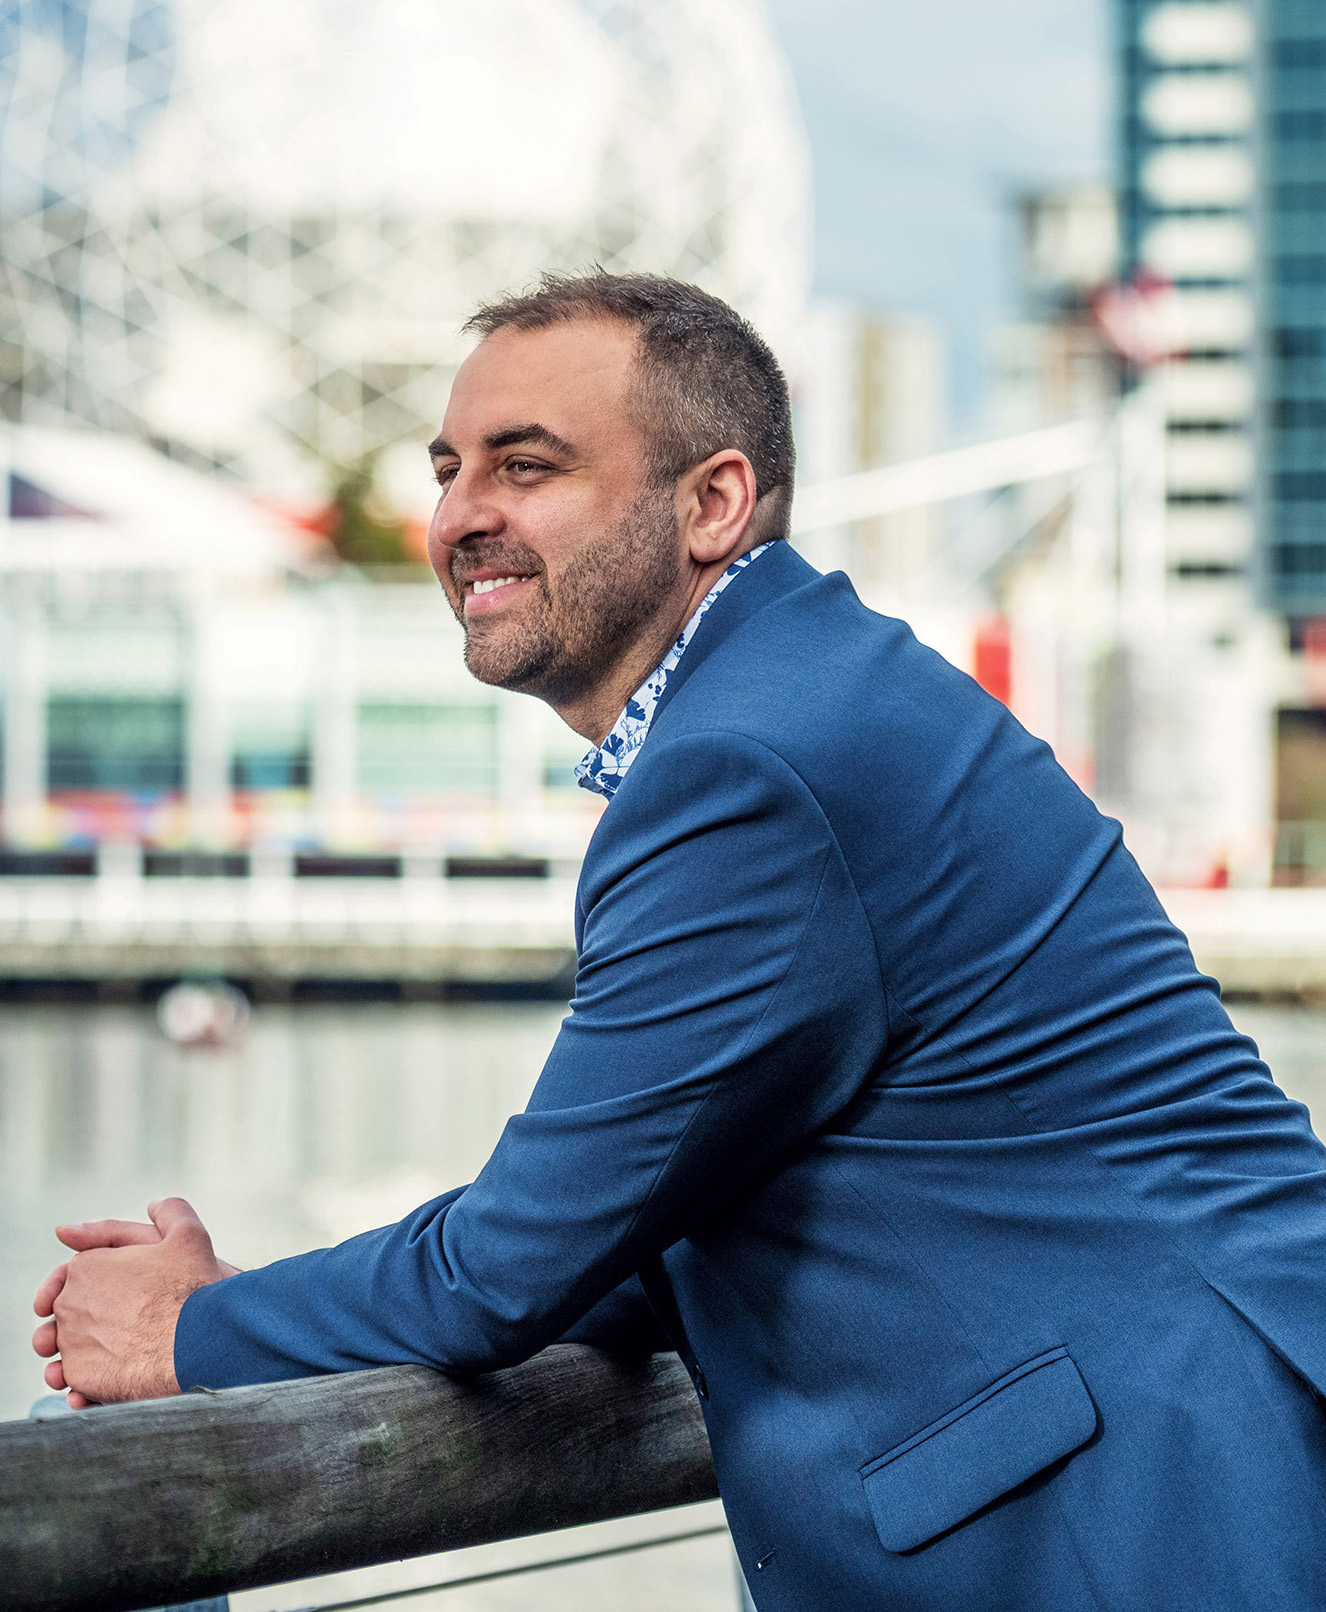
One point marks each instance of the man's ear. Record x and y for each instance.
(716, 502)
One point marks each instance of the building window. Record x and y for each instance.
(1304, 269)
(1300, 852)
(1298, 343)
(269, 769)
(1299, 414)
(1296, 125)
(1299, 559)
(1300, 195)
(269, 747)
(1299, 53)
(1301, 486)
(130, 746)
(427, 749)
(559, 765)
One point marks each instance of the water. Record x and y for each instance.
(325, 1121)
(328, 1120)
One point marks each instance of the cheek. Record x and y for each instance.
(570, 523)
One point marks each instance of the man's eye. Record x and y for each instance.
(446, 475)
(525, 467)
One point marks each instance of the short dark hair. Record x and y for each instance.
(707, 378)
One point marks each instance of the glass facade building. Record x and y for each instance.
(1292, 482)
(1223, 190)
(1188, 188)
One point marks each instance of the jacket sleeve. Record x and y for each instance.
(727, 1005)
(622, 1322)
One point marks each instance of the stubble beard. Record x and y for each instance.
(562, 644)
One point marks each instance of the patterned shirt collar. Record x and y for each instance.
(603, 769)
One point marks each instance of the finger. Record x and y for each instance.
(173, 1217)
(107, 1234)
(77, 1401)
(43, 1340)
(50, 1290)
(54, 1375)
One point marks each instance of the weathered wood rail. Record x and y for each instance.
(173, 1500)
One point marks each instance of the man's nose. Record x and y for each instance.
(462, 511)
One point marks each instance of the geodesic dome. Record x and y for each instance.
(251, 231)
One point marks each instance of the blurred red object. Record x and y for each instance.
(994, 658)
(1314, 659)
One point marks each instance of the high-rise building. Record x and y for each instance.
(1187, 188)
(872, 390)
(1292, 434)
(1200, 668)
(1054, 364)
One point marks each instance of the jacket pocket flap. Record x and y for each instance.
(994, 1441)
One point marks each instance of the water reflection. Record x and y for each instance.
(326, 1120)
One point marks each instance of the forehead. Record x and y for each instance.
(574, 378)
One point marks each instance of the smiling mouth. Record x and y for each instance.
(491, 584)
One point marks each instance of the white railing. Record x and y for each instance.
(983, 467)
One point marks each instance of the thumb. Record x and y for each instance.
(174, 1217)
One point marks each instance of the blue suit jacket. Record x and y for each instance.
(1002, 1257)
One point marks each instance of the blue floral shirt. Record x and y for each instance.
(607, 764)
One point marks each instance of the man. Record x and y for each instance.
(996, 1257)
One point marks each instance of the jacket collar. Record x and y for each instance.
(780, 571)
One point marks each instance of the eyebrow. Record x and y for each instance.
(510, 436)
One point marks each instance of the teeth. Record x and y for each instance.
(494, 582)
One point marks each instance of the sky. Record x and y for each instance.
(924, 116)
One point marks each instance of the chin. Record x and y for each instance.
(520, 667)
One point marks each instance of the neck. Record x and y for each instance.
(594, 713)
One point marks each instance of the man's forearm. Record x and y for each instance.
(335, 1309)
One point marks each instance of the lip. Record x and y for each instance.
(484, 604)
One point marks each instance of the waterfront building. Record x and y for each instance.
(185, 672)
(238, 241)
(1292, 420)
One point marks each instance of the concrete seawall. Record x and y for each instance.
(491, 932)
(1257, 943)
(282, 930)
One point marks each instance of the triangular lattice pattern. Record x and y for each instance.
(209, 241)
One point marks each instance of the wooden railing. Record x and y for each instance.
(174, 1500)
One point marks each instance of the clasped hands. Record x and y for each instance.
(113, 1305)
